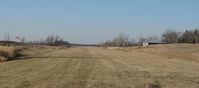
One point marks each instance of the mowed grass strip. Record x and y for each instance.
(92, 67)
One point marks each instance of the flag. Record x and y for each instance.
(18, 38)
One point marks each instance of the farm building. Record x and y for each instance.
(147, 43)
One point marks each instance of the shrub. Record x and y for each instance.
(9, 53)
(155, 84)
(2, 59)
(6, 51)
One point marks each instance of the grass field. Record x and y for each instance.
(161, 66)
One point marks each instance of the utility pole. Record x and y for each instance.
(7, 38)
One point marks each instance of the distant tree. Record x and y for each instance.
(190, 37)
(169, 36)
(141, 40)
(196, 35)
(133, 41)
(23, 40)
(50, 40)
(108, 43)
(55, 40)
(121, 40)
(153, 39)
(7, 38)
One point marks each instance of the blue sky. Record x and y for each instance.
(93, 21)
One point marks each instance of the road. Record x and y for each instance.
(91, 67)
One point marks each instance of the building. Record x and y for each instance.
(147, 43)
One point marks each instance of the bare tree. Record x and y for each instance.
(189, 36)
(7, 38)
(55, 40)
(108, 43)
(121, 40)
(133, 41)
(50, 40)
(153, 39)
(23, 40)
(170, 36)
(196, 35)
(141, 40)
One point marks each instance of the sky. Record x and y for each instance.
(93, 21)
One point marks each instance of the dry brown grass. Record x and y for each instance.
(92, 67)
(3, 59)
(6, 52)
(9, 53)
(179, 51)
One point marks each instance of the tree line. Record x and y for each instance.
(189, 36)
(122, 40)
(55, 40)
(51, 40)
(168, 37)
